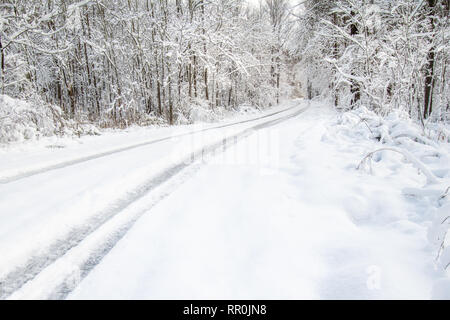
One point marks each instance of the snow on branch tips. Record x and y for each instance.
(431, 178)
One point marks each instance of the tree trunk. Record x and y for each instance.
(354, 88)
(2, 65)
(335, 56)
(206, 85)
(159, 98)
(429, 70)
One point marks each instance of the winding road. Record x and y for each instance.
(59, 221)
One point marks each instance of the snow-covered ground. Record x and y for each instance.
(49, 208)
(308, 226)
(27, 156)
(280, 211)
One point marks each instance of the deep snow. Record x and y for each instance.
(59, 210)
(307, 226)
(282, 213)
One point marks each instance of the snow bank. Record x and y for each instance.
(20, 121)
(397, 141)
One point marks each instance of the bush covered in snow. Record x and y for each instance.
(201, 111)
(427, 148)
(198, 111)
(20, 120)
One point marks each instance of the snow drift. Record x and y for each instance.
(426, 148)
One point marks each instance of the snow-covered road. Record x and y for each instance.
(278, 211)
(53, 202)
(307, 226)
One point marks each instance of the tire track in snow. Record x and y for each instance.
(22, 275)
(26, 174)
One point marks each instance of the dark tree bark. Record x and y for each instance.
(335, 56)
(309, 90)
(354, 89)
(2, 65)
(158, 94)
(429, 69)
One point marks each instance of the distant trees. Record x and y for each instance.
(382, 54)
(117, 62)
(277, 11)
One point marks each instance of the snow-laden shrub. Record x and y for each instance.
(198, 111)
(246, 108)
(428, 149)
(438, 233)
(392, 128)
(202, 112)
(21, 120)
(145, 120)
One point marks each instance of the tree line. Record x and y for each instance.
(117, 62)
(382, 54)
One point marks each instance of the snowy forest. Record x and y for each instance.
(224, 149)
(122, 62)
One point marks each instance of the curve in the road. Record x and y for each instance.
(35, 265)
(22, 175)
